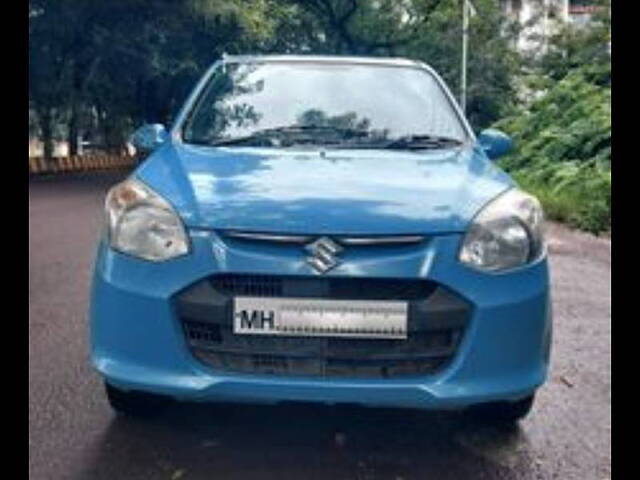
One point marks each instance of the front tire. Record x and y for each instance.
(502, 412)
(135, 404)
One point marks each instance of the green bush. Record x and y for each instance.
(582, 200)
(563, 148)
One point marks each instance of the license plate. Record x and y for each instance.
(320, 318)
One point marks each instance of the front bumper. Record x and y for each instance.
(137, 341)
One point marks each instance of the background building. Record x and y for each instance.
(541, 18)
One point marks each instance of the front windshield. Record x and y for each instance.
(283, 104)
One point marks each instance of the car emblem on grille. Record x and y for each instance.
(323, 254)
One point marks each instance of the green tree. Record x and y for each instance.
(572, 47)
(493, 63)
(110, 65)
(563, 135)
(54, 47)
(104, 67)
(428, 30)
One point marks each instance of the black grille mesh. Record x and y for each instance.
(322, 287)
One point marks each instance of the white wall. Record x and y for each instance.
(539, 19)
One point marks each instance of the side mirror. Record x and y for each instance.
(495, 143)
(149, 137)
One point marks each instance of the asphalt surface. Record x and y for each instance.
(73, 434)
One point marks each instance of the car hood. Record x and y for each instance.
(329, 192)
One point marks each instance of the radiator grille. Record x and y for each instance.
(437, 319)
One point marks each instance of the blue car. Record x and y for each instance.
(324, 229)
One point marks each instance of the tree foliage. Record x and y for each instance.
(100, 68)
(109, 65)
(572, 47)
(563, 133)
(564, 148)
(493, 64)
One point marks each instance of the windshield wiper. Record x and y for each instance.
(274, 136)
(333, 135)
(255, 140)
(421, 142)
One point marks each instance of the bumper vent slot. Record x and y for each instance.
(253, 286)
(338, 288)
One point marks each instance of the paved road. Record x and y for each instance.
(74, 435)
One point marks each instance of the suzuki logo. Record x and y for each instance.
(323, 254)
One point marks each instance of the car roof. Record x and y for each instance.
(388, 61)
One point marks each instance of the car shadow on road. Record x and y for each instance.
(306, 441)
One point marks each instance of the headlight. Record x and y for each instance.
(505, 234)
(141, 223)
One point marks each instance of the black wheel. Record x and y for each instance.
(135, 404)
(502, 412)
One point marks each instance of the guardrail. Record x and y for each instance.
(80, 163)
